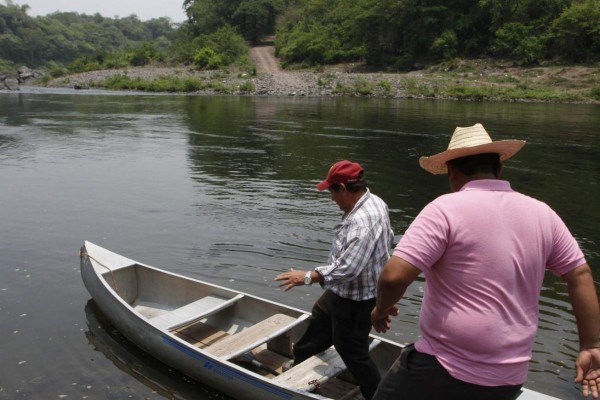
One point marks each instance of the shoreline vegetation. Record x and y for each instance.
(468, 80)
(471, 50)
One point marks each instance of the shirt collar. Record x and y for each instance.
(359, 203)
(487, 184)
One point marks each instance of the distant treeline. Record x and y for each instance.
(65, 42)
(63, 36)
(389, 34)
(397, 34)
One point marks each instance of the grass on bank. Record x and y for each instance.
(481, 81)
(478, 80)
(472, 80)
(441, 87)
(489, 90)
(171, 84)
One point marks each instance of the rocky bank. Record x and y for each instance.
(488, 80)
(281, 83)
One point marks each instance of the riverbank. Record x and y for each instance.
(476, 80)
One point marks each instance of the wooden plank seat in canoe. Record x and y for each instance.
(250, 338)
(193, 312)
(316, 370)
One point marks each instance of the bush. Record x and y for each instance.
(7, 67)
(56, 70)
(164, 84)
(98, 61)
(143, 54)
(313, 45)
(386, 86)
(223, 47)
(444, 47)
(84, 64)
(576, 32)
(247, 86)
(207, 58)
(514, 40)
(364, 87)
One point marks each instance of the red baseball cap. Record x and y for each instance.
(342, 172)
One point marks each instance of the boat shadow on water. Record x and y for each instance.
(143, 367)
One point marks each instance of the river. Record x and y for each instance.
(222, 188)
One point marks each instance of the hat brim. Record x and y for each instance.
(436, 164)
(323, 185)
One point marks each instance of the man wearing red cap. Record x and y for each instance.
(341, 316)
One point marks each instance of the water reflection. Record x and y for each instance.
(160, 378)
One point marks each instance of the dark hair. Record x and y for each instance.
(478, 163)
(353, 187)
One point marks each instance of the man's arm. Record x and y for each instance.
(295, 277)
(396, 276)
(584, 300)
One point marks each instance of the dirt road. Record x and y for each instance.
(263, 56)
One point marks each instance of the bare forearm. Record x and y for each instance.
(584, 300)
(388, 292)
(396, 276)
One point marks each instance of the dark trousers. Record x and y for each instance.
(345, 324)
(419, 376)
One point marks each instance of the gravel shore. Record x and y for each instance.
(282, 83)
(487, 80)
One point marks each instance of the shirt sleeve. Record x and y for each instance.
(566, 254)
(425, 240)
(352, 259)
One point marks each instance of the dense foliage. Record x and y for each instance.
(62, 37)
(391, 34)
(71, 42)
(251, 18)
(400, 33)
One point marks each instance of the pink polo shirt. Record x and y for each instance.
(484, 251)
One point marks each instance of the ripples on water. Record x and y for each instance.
(223, 189)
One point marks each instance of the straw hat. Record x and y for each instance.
(467, 142)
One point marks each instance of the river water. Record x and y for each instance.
(223, 189)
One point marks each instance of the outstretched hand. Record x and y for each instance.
(290, 279)
(587, 368)
(381, 320)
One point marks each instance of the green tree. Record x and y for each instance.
(577, 32)
(252, 18)
(225, 45)
(133, 29)
(255, 18)
(444, 47)
(207, 58)
(514, 40)
(144, 54)
(206, 16)
(11, 47)
(159, 27)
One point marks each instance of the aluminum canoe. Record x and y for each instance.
(231, 341)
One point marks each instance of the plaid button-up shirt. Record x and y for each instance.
(360, 248)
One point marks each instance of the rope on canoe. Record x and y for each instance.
(83, 253)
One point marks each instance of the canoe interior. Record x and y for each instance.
(218, 320)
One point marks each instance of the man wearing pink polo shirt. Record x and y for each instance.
(483, 249)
